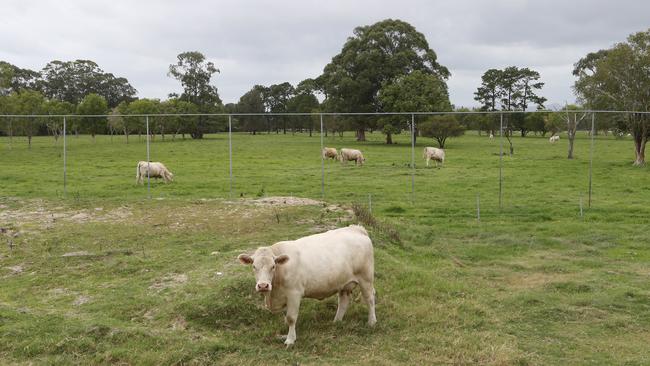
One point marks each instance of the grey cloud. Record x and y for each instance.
(266, 42)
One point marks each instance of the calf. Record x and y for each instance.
(330, 153)
(351, 154)
(435, 154)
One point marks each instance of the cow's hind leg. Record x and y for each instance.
(368, 293)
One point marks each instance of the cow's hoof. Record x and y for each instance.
(289, 343)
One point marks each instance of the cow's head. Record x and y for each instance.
(264, 263)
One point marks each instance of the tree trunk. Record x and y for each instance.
(361, 134)
(571, 139)
(389, 139)
(639, 150)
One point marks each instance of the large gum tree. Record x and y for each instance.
(375, 55)
(618, 78)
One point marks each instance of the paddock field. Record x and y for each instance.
(106, 276)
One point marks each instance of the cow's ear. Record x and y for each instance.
(281, 259)
(245, 258)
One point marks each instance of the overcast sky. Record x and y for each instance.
(269, 42)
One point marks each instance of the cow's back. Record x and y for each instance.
(322, 264)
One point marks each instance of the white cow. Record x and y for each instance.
(433, 153)
(351, 154)
(553, 139)
(316, 266)
(330, 153)
(491, 136)
(156, 170)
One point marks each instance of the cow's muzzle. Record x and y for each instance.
(263, 287)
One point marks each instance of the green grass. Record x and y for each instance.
(532, 283)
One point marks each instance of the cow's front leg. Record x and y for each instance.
(293, 306)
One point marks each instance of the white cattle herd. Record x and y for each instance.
(316, 266)
(345, 155)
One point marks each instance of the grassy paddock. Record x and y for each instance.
(532, 283)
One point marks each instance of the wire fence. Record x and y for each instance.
(380, 179)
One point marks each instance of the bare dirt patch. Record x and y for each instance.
(169, 281)
(80, 300)
(37, 213)
(286, 201)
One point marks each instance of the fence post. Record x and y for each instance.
(412, 158)
(148, 161)
(230, 152)
(322, 161)
(64, 159)
(591, 153)
(581, 212)
(501, 162)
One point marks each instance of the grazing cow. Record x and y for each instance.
(351, 154)
(316, 266)
(553, 139)
(330, 153)
(433, 153)
(157, 170)
(491, 136)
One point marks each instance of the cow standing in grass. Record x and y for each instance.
(433, 153)
(350, 155)
(156, 170)
(316, 266)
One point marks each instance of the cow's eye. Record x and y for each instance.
(254, 268)
(273, 267)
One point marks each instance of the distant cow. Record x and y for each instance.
(351, 154)
(433, 153)
(316, 266)
(491, 136)
(330, 153)
(156, 170)
(553, 139)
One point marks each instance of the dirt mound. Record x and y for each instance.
(286, 201)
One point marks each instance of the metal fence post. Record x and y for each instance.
(230, 152)
(412, 158)
(322, 161)
(501, 162)
(64, 159)
(148, 161)
(591, 153)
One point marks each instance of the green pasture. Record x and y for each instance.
(105, 276)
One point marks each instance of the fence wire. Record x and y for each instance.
(248, 177)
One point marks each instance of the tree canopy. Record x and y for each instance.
(618, 79)
(374, 56)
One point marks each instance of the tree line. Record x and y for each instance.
(384, 67)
